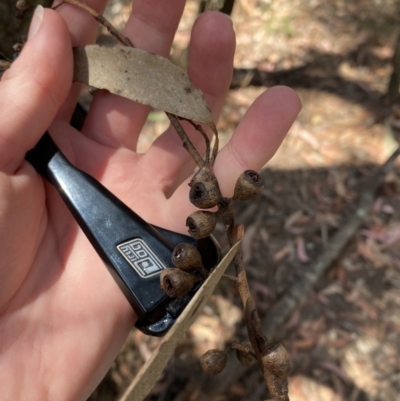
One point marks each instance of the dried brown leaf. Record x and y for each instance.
(143, 77)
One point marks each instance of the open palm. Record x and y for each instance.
(62, 317)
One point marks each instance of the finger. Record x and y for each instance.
(29, 101)
(210, 68)
(113, 120)
(254, 142)
(82, 26)
(83, 30)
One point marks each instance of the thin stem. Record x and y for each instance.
(240, 347)
(259, 342)
(230, 278)
(277, 385)
(187, 143)
(98, 17)
(235, 233)
(216, 144)
(199, 128)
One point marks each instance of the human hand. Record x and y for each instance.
(63, 319)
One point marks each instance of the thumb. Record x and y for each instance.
(34, 88)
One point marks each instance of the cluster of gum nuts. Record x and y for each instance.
(177, 282)
(204, 194)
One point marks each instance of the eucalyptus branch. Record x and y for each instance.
(273, 359)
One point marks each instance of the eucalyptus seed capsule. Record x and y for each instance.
(176, 283)
(204, 189)
(248, 185)
(213, 361)
(185, 256)
(276, 360)
(22, 5)
(201, 224)
(188, 258)
(205, 195)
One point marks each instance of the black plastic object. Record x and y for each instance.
(134, 251)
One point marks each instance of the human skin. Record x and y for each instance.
(63, 319)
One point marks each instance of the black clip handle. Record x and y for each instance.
(134, 251)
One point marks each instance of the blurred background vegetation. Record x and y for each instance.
(344, 337)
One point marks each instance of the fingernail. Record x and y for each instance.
(36, 21)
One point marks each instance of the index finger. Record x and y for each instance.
(29, 101)
(83, 31)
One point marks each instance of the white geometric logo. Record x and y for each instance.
(141, 258)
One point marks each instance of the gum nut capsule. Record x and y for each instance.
(248, 185)
(245, 358)
(276, 360)
(205, 195)
(204, 189)
(201, 224)
(213, 361)
(22, 5)
(176, 283)
(186, 257)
